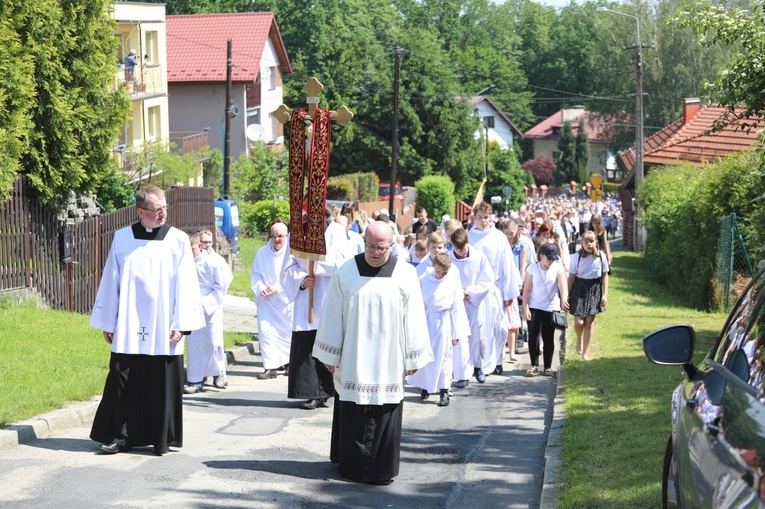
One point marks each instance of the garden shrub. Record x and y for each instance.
(257, 217)
(682, 207)
(436, 194)
(364, 186)
(339, 188)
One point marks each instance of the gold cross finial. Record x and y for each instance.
(313, 88)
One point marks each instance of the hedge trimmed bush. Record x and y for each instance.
(682, 207)
(436, 194)
(257, 217)
(339, 188)
(364, 186)
(610, 187)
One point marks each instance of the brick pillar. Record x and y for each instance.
(628, 226)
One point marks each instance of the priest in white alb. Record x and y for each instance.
(371, 333)
(274, 308)
(148, 299)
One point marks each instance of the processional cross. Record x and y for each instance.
(309, 145)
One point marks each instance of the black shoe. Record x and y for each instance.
(444, 400)
(498, 370)
(424, 395)
(110, 448)
(159, 452)
(311, 404)
(461, 384)
(478, 372)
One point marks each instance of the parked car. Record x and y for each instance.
(383, 191)
(715, 456)
(227, 219)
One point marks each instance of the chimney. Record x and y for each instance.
(691, 106)
(571, 113)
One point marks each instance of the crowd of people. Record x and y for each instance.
(349, 324)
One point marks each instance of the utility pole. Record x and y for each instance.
(394, 151)
(227, 135)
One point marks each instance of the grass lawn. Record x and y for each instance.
(49, 358)
(617, 405)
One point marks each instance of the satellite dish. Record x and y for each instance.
(255, 132)
(265, 73)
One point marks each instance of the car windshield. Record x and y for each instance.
(384, 191)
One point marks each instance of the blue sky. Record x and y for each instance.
(554, 3)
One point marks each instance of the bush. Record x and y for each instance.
(611, 188)
(339, 188)
(542, 169)
(257, 217)
(682, 207)
(364, 186)
(436, 194)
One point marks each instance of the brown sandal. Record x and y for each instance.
(548, 372)
(532, 372)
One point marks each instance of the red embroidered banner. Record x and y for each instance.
(307, 231)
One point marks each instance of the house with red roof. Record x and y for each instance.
(545, 136)
(688, 139)
(196, 76)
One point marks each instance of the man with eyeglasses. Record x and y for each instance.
(274, 308)
(148, 299)
(371, 333)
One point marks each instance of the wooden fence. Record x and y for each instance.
(29, 244)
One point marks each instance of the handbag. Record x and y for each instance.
(559, 318)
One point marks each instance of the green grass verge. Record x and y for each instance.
(617, 405)
(247, 249)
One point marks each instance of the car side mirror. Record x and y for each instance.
(670, 346)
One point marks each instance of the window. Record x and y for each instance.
(488, 122)
(272, 79)
(150, 48)
(153, 123)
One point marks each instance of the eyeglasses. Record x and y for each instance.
(155, 211)
(376, 249)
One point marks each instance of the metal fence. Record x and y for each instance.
(733, 268)
(29, 243)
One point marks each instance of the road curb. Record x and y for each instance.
(83, 412)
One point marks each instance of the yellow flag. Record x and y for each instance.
(479, 194)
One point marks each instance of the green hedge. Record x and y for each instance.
(257, 217)
(364, 186)
(682, 207)
(436, 194)
(339, 188)
(611, 187)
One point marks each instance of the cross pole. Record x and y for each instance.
(283, 114)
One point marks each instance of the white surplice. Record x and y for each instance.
(477, 279)
(372, 329)
(152, 286)
(275, 310)
(495, 246)
(446, 319)
(206, 356)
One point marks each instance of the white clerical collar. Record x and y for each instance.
(148, 230)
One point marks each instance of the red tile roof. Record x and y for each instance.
(196, 46)
(692, 142)
(549, 128)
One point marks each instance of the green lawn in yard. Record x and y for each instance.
(617, 405)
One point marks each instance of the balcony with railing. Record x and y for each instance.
(188, 142)
(142, 81)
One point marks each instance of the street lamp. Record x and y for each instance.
(638, 123)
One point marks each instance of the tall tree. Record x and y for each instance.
(75, 116)
(565, 169)
(581, 153)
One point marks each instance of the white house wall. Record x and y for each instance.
(502, 133)
(197, 107)
(270, 99)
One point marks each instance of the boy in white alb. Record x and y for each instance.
(447, 326)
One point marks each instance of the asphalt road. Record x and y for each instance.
(248, 446)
